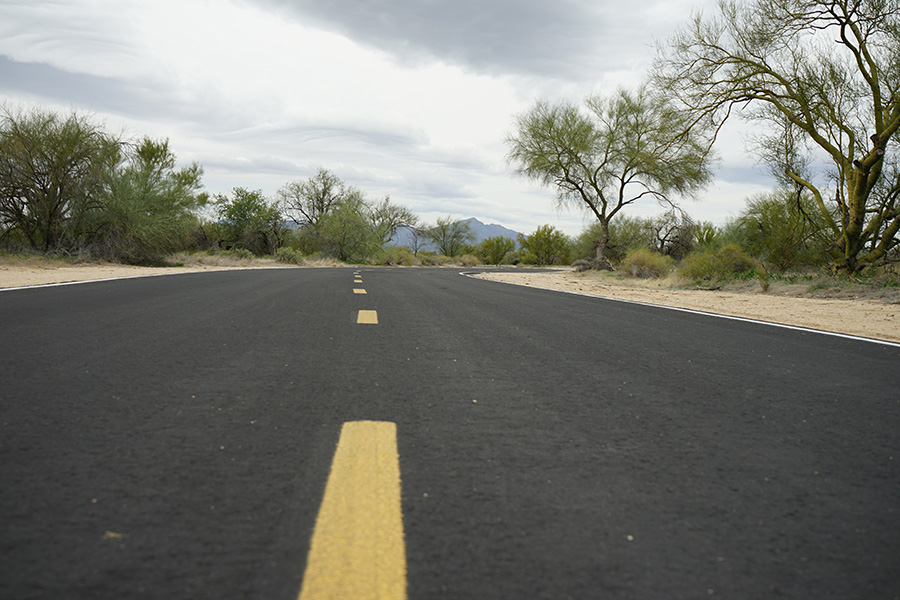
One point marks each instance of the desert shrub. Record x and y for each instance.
(727, 262)
(581, 265)
(468, 260)
(397, 255)
(431, 259)
(644, 263)
(237, 253)
(493, 249)
(289, 255)
(784, 230)
(546, 246)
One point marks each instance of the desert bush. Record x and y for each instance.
(241, 254)
(494, 249)
(785, 230)
(431, 259)
(644, 263)
(289, 255)
(468, 260)
(581, 265)
(725, 263)
(546, 246)
(397, 255)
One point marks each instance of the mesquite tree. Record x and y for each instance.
(825, 78)
(610, 153)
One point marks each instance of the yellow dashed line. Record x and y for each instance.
(359, 291)
(357, 281)
(367, 317)
(357, 548)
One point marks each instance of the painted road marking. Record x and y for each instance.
(357, 281)
(367, 317)
(359, 291)
(357, 548)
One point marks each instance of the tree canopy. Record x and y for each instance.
(307, 203)
(609, 153)
(248, 220)
(547, 245)
(54, 171)
(450, 236)
(824, 77)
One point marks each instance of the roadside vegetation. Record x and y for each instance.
(819, 80)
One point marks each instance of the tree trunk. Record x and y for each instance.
(600, 262)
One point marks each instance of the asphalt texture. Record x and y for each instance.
(170, 437)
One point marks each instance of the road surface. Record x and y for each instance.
(171, 437)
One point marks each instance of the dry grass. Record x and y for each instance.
(812, 285)
(40, 261)
(224, 259)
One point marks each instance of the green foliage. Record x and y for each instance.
(387, 218)
(672, 233)
(784, 229)
(397, 255)
(468, 260)
(336, 220)
(610, 153)
(724, 263)
(707, 237)
(149, 211)
(450, 236)
(54, 172)
(627, 233)
(308, 202)
(645, 263)
(346, 232)
(248, 220)
(205, 236)
(241, 254)
(493, 249)
(306, 241)
(289, 255)
(546, 246)
(822, 79)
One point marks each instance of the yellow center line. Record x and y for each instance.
(367, 317)
(359, 291)
(357, 281)
(357, 548)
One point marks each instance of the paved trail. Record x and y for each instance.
(172, 437)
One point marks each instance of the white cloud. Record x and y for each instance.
(409, 99)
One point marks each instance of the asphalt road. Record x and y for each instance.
(170, 437)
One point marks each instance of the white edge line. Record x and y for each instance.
(701, 312)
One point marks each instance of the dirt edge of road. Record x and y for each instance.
(865, 318)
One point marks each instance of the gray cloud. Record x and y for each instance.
(127, 98)
(527, 37)
(263, 140)
(99, 93)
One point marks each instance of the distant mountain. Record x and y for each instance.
(480, 232)
(483, 232)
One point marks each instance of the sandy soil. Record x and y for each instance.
(20, 276)
(867, 318)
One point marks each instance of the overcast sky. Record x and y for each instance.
(411, 98)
